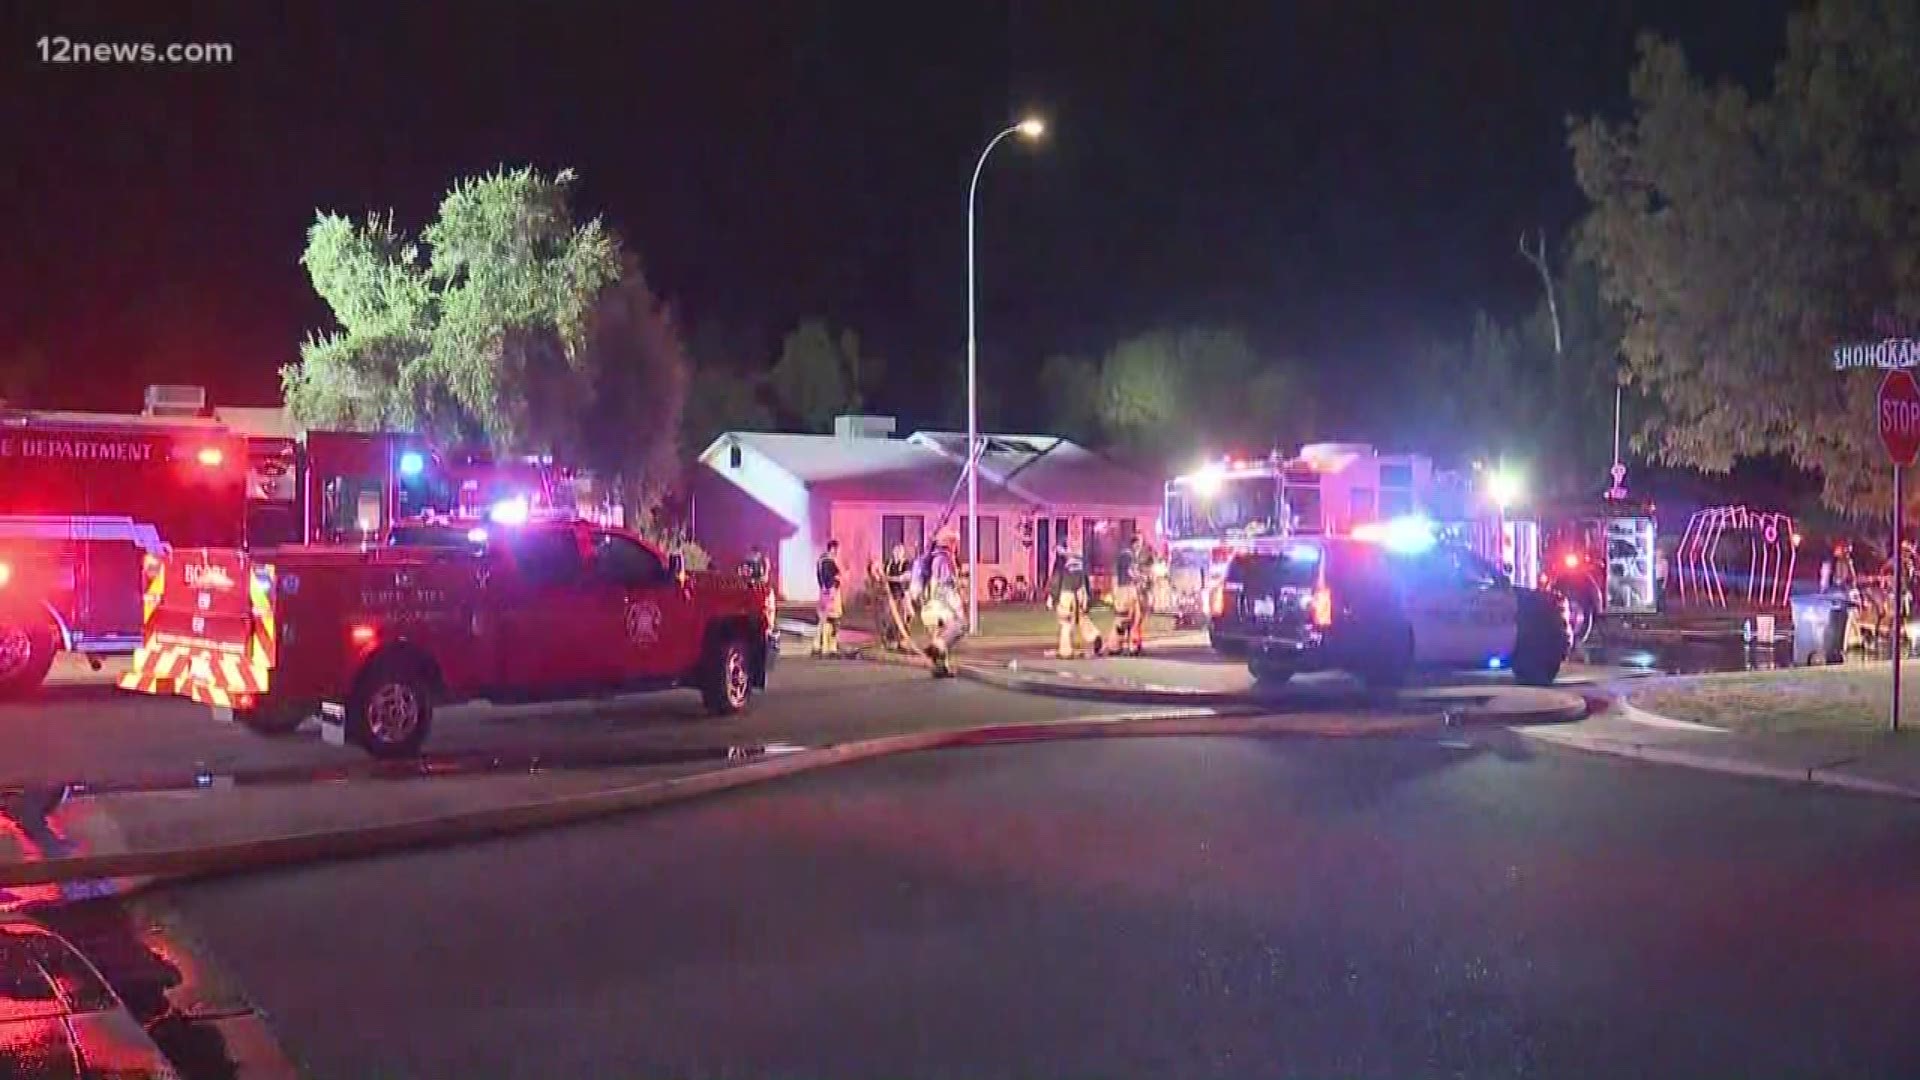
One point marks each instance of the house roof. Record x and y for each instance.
(1015, 470)
(1051, 470)
(876, 470)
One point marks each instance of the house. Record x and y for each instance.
(789, 493)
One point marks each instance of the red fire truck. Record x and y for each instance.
(84, 497)
(377, 636)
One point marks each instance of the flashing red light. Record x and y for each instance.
(1571, 560)
(211, 456)
(1217, 601)
(361, 635)
(1323, 606)
(6, 574)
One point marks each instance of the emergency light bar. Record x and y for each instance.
(1404, 535)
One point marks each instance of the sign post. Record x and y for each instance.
(1898, 414)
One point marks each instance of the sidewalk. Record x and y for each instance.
(1823, 726)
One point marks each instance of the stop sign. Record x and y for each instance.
(1899, 413)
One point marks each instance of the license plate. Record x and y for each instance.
(1263, 607)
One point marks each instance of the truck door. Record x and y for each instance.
(660, 624)
(558, 620)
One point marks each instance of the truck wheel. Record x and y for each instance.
(274, 717)
(391, 712)
(1269, 674)
(26, 655)
(728, 681)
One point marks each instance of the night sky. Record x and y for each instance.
(1340, 179)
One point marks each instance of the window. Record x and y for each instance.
(625, 562)
(908, 529)
(1395, 504)
(1303, 507)
(548, 556)
(1360, 505)
(989, 540)
(1396, 476)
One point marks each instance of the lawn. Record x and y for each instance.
(996, 620)
(1850, 699)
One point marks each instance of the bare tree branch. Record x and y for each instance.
(1537, 255)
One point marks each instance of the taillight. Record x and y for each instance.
(1323, 606)
(1217, 601)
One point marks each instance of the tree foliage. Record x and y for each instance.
(1070, 386)
(1166, 394)
(506, 321)
(1745, 235)
(1504, 391)
(822, 374)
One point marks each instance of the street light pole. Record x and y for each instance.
(1032, 129)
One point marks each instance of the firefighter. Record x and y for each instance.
(831, 608)
(898, 574)
(1132, 582)
(1069, 598)
(936, 585)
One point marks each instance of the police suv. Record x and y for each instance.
(1384, 601)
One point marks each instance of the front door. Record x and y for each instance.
(660, 633)
(559, 618)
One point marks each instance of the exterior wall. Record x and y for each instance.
(775, 513)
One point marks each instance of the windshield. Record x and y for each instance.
(1234, 506)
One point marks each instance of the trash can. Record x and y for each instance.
(1820, 626)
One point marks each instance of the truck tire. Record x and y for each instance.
(26, 655)
(391, 710)
(274, 718)
(1583, 610)
(727, 683)
(1269, 674)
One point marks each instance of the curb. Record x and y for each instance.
(1575, 708)
(493, 822)
(1822, 775)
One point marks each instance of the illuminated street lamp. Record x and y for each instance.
(1031, 128)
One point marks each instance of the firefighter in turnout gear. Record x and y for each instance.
(1070, 599)
(936, 585)
(1132, 593)
(832, 606)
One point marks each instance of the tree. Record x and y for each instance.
(821, 375)
(505, 322)
(722, 398)
(472, 331)
(636, 368)
(1511, 391)
(1168, 393)
(1745, 235)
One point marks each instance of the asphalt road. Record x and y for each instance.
(1165, 907)
(85, 730)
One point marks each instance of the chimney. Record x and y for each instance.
(175, 401)
(855, 426)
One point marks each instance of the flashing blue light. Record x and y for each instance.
(1408, 535)
(514, 511)
(1495, 663)
(1305, 553)
(412, 463)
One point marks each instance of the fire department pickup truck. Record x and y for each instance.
(377, 637)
